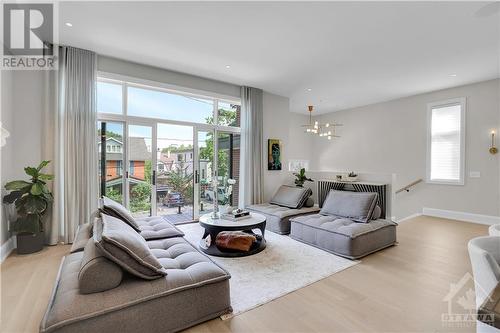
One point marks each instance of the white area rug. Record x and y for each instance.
(285, 265)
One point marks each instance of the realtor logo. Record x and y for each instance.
(461, 300)
(28, 34)
(27, 29)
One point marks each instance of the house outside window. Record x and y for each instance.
(119, 167)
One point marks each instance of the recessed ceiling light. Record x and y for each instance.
(227, 66)
(69, 24)
(309, 89)
(453, 75)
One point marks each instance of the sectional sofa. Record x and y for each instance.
(140, 275)
(287, 203)
(348, 225)
(129, 275)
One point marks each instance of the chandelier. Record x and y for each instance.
(324, 130)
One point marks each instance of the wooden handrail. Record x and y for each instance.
(407, 187)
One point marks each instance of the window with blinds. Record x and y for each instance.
(445, 156)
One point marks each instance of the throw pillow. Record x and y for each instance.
(357, 206)
(377, 212)
(113, 208)
(291, 196)
(121, 244)
(309, 202)
(83, 234)
(97, 273)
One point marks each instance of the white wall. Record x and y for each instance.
(135, 70)
(280, 123)
(22, 105)
(6, 117)
(390, 137)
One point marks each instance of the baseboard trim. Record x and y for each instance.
(462, 216)
(408, 217)
(7, 248)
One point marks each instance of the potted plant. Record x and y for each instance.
(31, 199)
(352, 177)
(301, 178)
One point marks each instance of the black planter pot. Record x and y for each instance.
(30, 243)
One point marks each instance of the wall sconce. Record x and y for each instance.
(493, 149)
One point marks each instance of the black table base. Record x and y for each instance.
(214, 230)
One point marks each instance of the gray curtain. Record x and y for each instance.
(71, 137)
(251, 146)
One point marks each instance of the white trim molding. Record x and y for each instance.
(462, 216)
(7, 248)
(407, 218)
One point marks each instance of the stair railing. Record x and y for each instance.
(409, 186)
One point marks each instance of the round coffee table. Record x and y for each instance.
(214, 226)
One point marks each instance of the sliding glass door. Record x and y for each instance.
(228, 167)
(139, 171)
(203, 172)
(167, 170)
(175, 163)
(111, 147)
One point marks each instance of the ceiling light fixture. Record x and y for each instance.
(69, 24)
(309, 89)
(323, 130)
(453, 75)
(227, 66)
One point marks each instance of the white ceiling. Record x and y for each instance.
(349, 54)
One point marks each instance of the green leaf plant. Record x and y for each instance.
(31, 199)
(301, 178)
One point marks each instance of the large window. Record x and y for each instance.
(158, 142)
(116, 97)
(109, 97)
(144, 102)
(446, 133)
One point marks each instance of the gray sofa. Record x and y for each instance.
(121, 282)
(287, 203)
(348, 225)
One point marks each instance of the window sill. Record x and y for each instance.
(446, 182)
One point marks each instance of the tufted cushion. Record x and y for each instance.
(113, 208)
(343, 236)
(278, 217)
(357, 206)
(177, 253)
(195, 289)
(155, 227)
(121, 244)
(97, 273)
(280, 211)
(291, 196)
(83, 234)
(341, 225)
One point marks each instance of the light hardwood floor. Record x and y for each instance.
(400, 289)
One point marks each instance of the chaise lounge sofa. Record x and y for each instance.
(348, 225)
(121, 282)
(287, 203)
